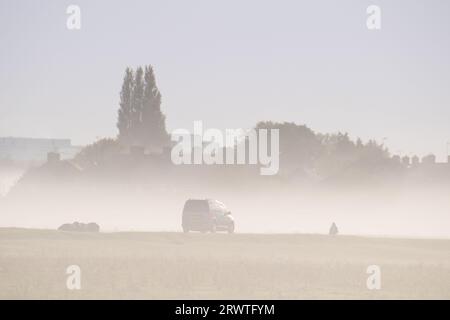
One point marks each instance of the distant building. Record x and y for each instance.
(415, 161)
(32, 149)
(406, 161)
(429, 171)
(396, 159)
(430, 159)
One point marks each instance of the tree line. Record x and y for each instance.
(141, 123)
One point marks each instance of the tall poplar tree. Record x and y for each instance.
(137, 107)
(140, 120)
(125, 111)
(154, 131)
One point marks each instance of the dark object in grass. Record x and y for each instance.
(80, 227)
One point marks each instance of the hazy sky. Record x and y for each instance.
(231, 63)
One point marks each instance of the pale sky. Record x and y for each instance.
(231, 63)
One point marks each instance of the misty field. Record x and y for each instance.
(241, 266)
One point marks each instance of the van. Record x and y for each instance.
(206, 215)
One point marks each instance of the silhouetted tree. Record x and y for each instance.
(359, 144)
(137, 98)
(299, 145)
(153, 131)
(98, 152)
(140, 121)
(124, 123)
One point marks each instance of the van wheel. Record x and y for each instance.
(231, 228)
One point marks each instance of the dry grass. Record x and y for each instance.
(209, 266)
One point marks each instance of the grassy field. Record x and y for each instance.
(241, 266)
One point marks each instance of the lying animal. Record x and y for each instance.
(80, 227)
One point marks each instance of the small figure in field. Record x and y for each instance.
(333, 230)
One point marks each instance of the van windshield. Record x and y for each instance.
(196, 206)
